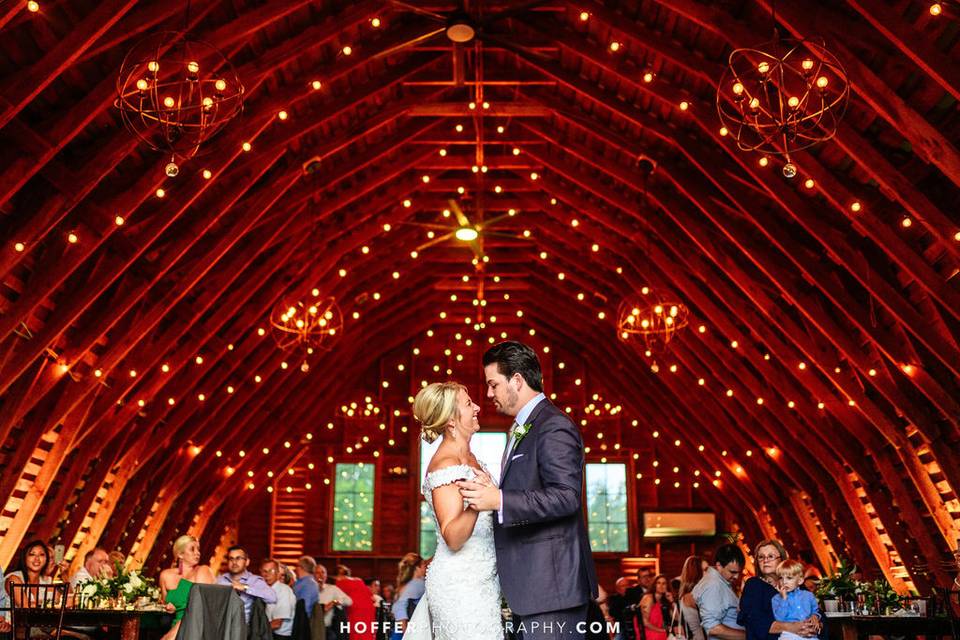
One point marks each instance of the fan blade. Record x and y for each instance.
(494, 220)
(458, 212)
(409, 43)
(416, 9)
(436, 240)
(505, 234)
(428, 225)
(477, 250)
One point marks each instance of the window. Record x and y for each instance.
(607, 507)
(488, 447)
(353, 494)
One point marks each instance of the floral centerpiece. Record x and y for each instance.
(124, 588)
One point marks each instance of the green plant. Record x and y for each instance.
(839, 584)
(881, 595)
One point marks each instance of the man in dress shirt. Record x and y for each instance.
(93, 567)
(715, 597)
(281, 613)
(330, 595)
(247, 585)
(305, 588)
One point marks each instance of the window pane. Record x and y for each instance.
(428, 532)
(607, 507)
(353, 495)
(488, 447)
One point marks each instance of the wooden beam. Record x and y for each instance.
(27, 84)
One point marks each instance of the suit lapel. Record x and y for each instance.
(534, 415)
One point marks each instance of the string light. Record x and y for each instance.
(33, 6)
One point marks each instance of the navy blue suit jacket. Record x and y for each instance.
(543, 552)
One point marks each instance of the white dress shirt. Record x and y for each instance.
(283, 609)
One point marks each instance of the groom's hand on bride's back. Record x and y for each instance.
(480, 496)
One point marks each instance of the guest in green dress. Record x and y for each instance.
(175, 582)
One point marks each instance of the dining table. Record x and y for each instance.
(131, 622)
(861, 627)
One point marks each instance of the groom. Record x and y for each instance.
(543, 553)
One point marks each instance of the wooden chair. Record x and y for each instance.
(38, 606)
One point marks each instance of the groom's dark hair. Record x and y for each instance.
(515, 357)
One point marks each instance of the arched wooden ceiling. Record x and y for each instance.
(857, 446)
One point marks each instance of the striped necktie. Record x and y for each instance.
(508, 448)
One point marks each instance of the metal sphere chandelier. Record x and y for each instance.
(307, 326)
(175, 93)
(655, 323)
(782, 96)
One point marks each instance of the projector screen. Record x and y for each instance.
(679, 524)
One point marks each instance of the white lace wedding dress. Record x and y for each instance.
(463, 591)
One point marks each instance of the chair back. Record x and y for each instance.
(38, 606)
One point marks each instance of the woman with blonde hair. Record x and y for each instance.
(756, 601)
(464, 568)
(410, 588)
(175, 583)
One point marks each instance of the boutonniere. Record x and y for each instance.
(520, 432)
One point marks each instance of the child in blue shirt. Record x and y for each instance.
(793, 604)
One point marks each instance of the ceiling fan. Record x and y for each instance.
(462, 28)
(470, 233)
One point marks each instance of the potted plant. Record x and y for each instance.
(880, 597)
(838, 588)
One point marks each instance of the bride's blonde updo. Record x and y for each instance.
(434, 406)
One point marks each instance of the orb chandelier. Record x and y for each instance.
(175, 93)
(655, 323)
(307, 326)
(782, 96)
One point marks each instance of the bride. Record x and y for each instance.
(462, 588)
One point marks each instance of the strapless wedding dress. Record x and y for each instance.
(462, 587)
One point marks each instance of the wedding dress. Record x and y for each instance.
(462, 597)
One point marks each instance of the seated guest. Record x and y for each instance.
(280, 613)
(247, 585)
(621, 610)
(715, 595)
(361, 613)
(175, 583)
(4, 605)
(756, 608)
(410, 588)
(117, 560)
(690, 575)
(306, 588)
(94, 567)
(330, 596)
(34, 568)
